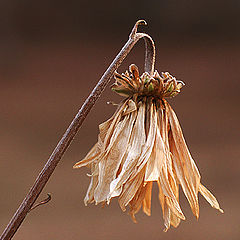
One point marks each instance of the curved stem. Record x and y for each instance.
(72, 130)
(150, 54)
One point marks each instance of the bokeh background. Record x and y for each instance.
(52, 53)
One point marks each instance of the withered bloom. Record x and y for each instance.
(143, 143)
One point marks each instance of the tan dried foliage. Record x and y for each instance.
(143, 143)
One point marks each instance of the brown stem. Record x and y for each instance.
(72, 130)
(149, 55)
(150, 51)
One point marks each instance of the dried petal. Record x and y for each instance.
(186, 170)
(110, 162)
(146, 205)
(209, 197)
(133, 153)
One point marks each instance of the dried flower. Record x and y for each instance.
(143, 143)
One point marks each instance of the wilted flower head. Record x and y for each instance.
(143, 143)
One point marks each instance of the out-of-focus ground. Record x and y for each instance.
(44, 82)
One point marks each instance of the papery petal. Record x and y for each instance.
(188, 188)
(146, 205)
(174, 220)
(129, 190)
(165, 207)
(111, 161)
(148, 147)
(107, 130)
(186, 170)
(142, 196)
(164, 126)
(131, 107)
(182, 147)
(89, 198)
(209, 197)
(156, 160)
(105, 133)
(136, 143)
(172, 196)
(90, 157)
(172, 202)
(136, 203)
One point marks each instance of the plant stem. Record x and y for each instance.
(72, 130)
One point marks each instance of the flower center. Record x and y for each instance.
(131, 83)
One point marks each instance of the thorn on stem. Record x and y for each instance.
(49, 197)
(112, 103)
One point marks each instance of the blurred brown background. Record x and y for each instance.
(52, 53)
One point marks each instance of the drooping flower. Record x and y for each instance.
(143, 143)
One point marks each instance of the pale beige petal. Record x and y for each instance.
(148, 147)
(134, 150)
(163, 124)
(175, 213)
(175, 221)
(146, 205)
(111, 161)
(130, 189)
(165, 208)
(156, 160)
(188, 188)
(136, 203)
(151, 151)
(209, 197)
(131, 107)
(172, 201)
(90, 157)
(168, 216)
(105, 131)
(110, 123)
(164, 127)
(89, 198)
(186, 170)
(175, 217)
(182, 148)
(161, 195)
